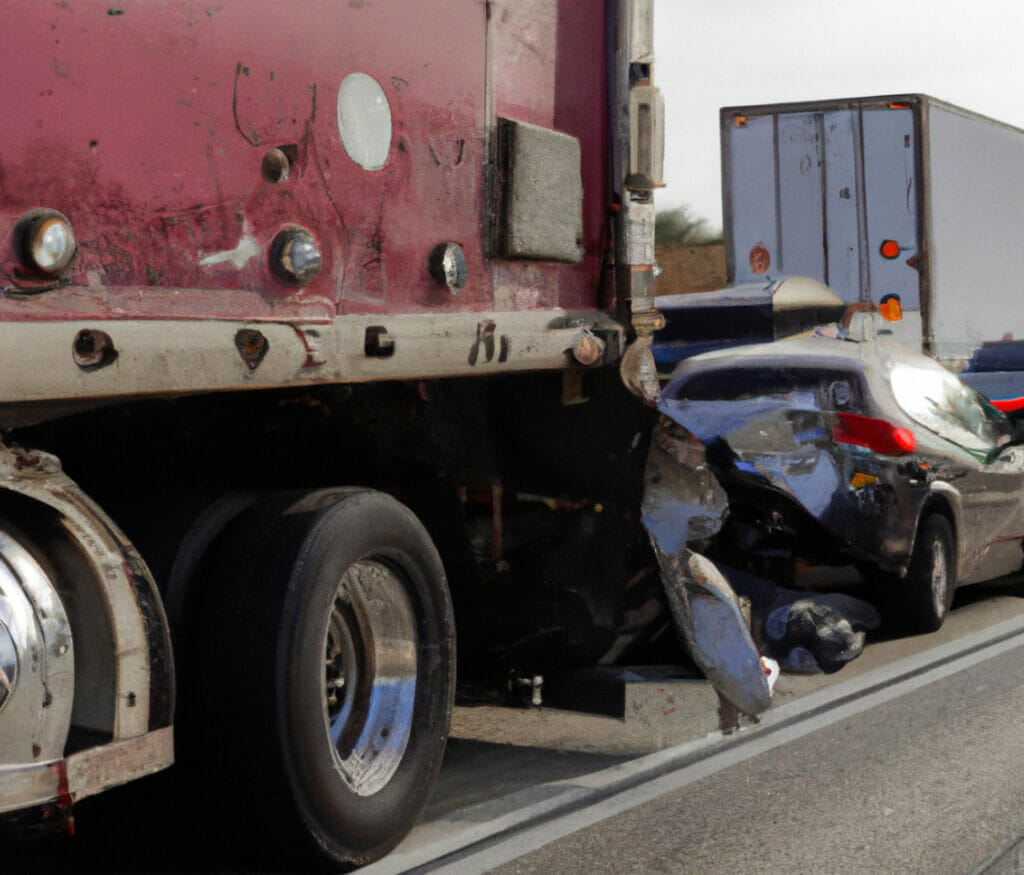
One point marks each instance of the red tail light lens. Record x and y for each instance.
(1008, 405)
(877, 435)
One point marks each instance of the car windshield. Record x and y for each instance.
(940, 402)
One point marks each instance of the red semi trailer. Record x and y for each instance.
(308, 298)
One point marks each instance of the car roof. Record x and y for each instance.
(808, 351)
(871, 358)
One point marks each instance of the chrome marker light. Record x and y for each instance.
(47, 242)
(295, 258)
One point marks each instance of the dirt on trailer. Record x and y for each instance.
(690, 268)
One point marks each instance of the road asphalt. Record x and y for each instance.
(490, 775)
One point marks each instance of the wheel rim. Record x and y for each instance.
(940, 577)
(370, 648)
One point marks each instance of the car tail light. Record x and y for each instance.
(1008, 405)
(877, 435)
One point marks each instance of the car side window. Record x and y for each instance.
(940, 402)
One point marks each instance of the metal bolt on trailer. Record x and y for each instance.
(236, 224)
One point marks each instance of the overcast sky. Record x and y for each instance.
(714, 53)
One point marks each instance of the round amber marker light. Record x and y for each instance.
(890, 249)
(890, 308)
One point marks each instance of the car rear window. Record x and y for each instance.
(831, 389)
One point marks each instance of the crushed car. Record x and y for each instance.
(837, 452)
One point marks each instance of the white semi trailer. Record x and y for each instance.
(903, 196)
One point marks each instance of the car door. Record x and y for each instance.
(975, 459)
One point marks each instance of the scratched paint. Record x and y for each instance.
(550, 70)
(183, 205)
(247, 249)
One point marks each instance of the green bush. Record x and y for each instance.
(679, 227)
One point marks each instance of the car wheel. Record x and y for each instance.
(931, 578)
(328, 660)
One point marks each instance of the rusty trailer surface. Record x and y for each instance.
(420, 236)
(236, 198)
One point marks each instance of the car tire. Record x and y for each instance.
(324, 658)
(931, 578)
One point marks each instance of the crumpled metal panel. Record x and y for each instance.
(684, 503)
(708, 614)
(781, 441)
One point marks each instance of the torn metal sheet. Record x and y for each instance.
(683, 502)
(710, 618)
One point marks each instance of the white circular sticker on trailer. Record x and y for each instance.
(364, 121)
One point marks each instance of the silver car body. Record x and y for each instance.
(767, 432)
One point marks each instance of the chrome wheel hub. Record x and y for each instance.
(940, 577)
(370, 652)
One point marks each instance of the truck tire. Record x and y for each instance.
(324, 652)
(931, 578)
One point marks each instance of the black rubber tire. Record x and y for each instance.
(931, 578)
(197, 541)
(268, 599)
